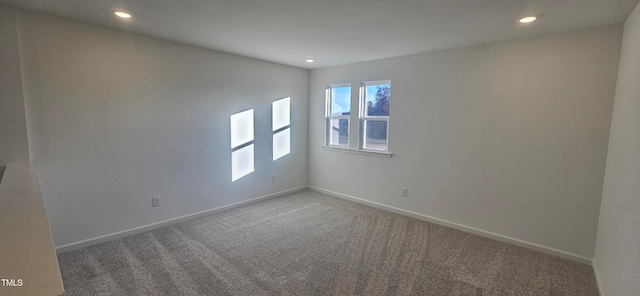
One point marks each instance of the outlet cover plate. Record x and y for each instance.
(156, 201)
(404, 192)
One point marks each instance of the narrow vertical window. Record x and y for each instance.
(280, 125)
(338, 111)
(374, 115)
(242, 150)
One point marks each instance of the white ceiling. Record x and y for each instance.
(336, 32)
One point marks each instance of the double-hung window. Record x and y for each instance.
(374, 115)
(337, 114)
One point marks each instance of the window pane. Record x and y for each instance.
(241, 162)
(281, 143)
(377, 99)
(339, 134)
(341, 100)
(375, 134)
(241, 128)
(280, 113)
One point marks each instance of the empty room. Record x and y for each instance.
(282, 147)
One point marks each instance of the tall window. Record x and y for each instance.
(280, 126)
(374, 115)
(338, 111)
(242, 158)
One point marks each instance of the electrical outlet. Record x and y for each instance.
(273, 179)
(404, 192)
(156, 201)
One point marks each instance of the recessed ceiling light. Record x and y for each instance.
(122, 14)
(526, 20)
(310, 60)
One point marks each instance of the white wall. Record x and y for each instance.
(13, 129)
(510, 138)
(116, 118)
(617, 257)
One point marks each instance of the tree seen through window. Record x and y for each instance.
(377, 105)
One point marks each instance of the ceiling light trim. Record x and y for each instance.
(123, 14)
(527, 19)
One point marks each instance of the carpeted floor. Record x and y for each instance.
(308, 243)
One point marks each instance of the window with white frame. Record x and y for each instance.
(374, 115)
(337, 114)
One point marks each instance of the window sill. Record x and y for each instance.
(361, 152)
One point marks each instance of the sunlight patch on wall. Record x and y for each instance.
(281, 143)
(241, 162)
(281, 114)
(242, 150)
(280, 122)
(241, 128)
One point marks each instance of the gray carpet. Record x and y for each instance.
(308, 243)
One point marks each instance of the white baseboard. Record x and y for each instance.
(468, 229)
(152, 226)
(595, 274)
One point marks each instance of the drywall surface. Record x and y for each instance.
(617, 254)
(13, 129)
(117, 118)
(510, 138)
